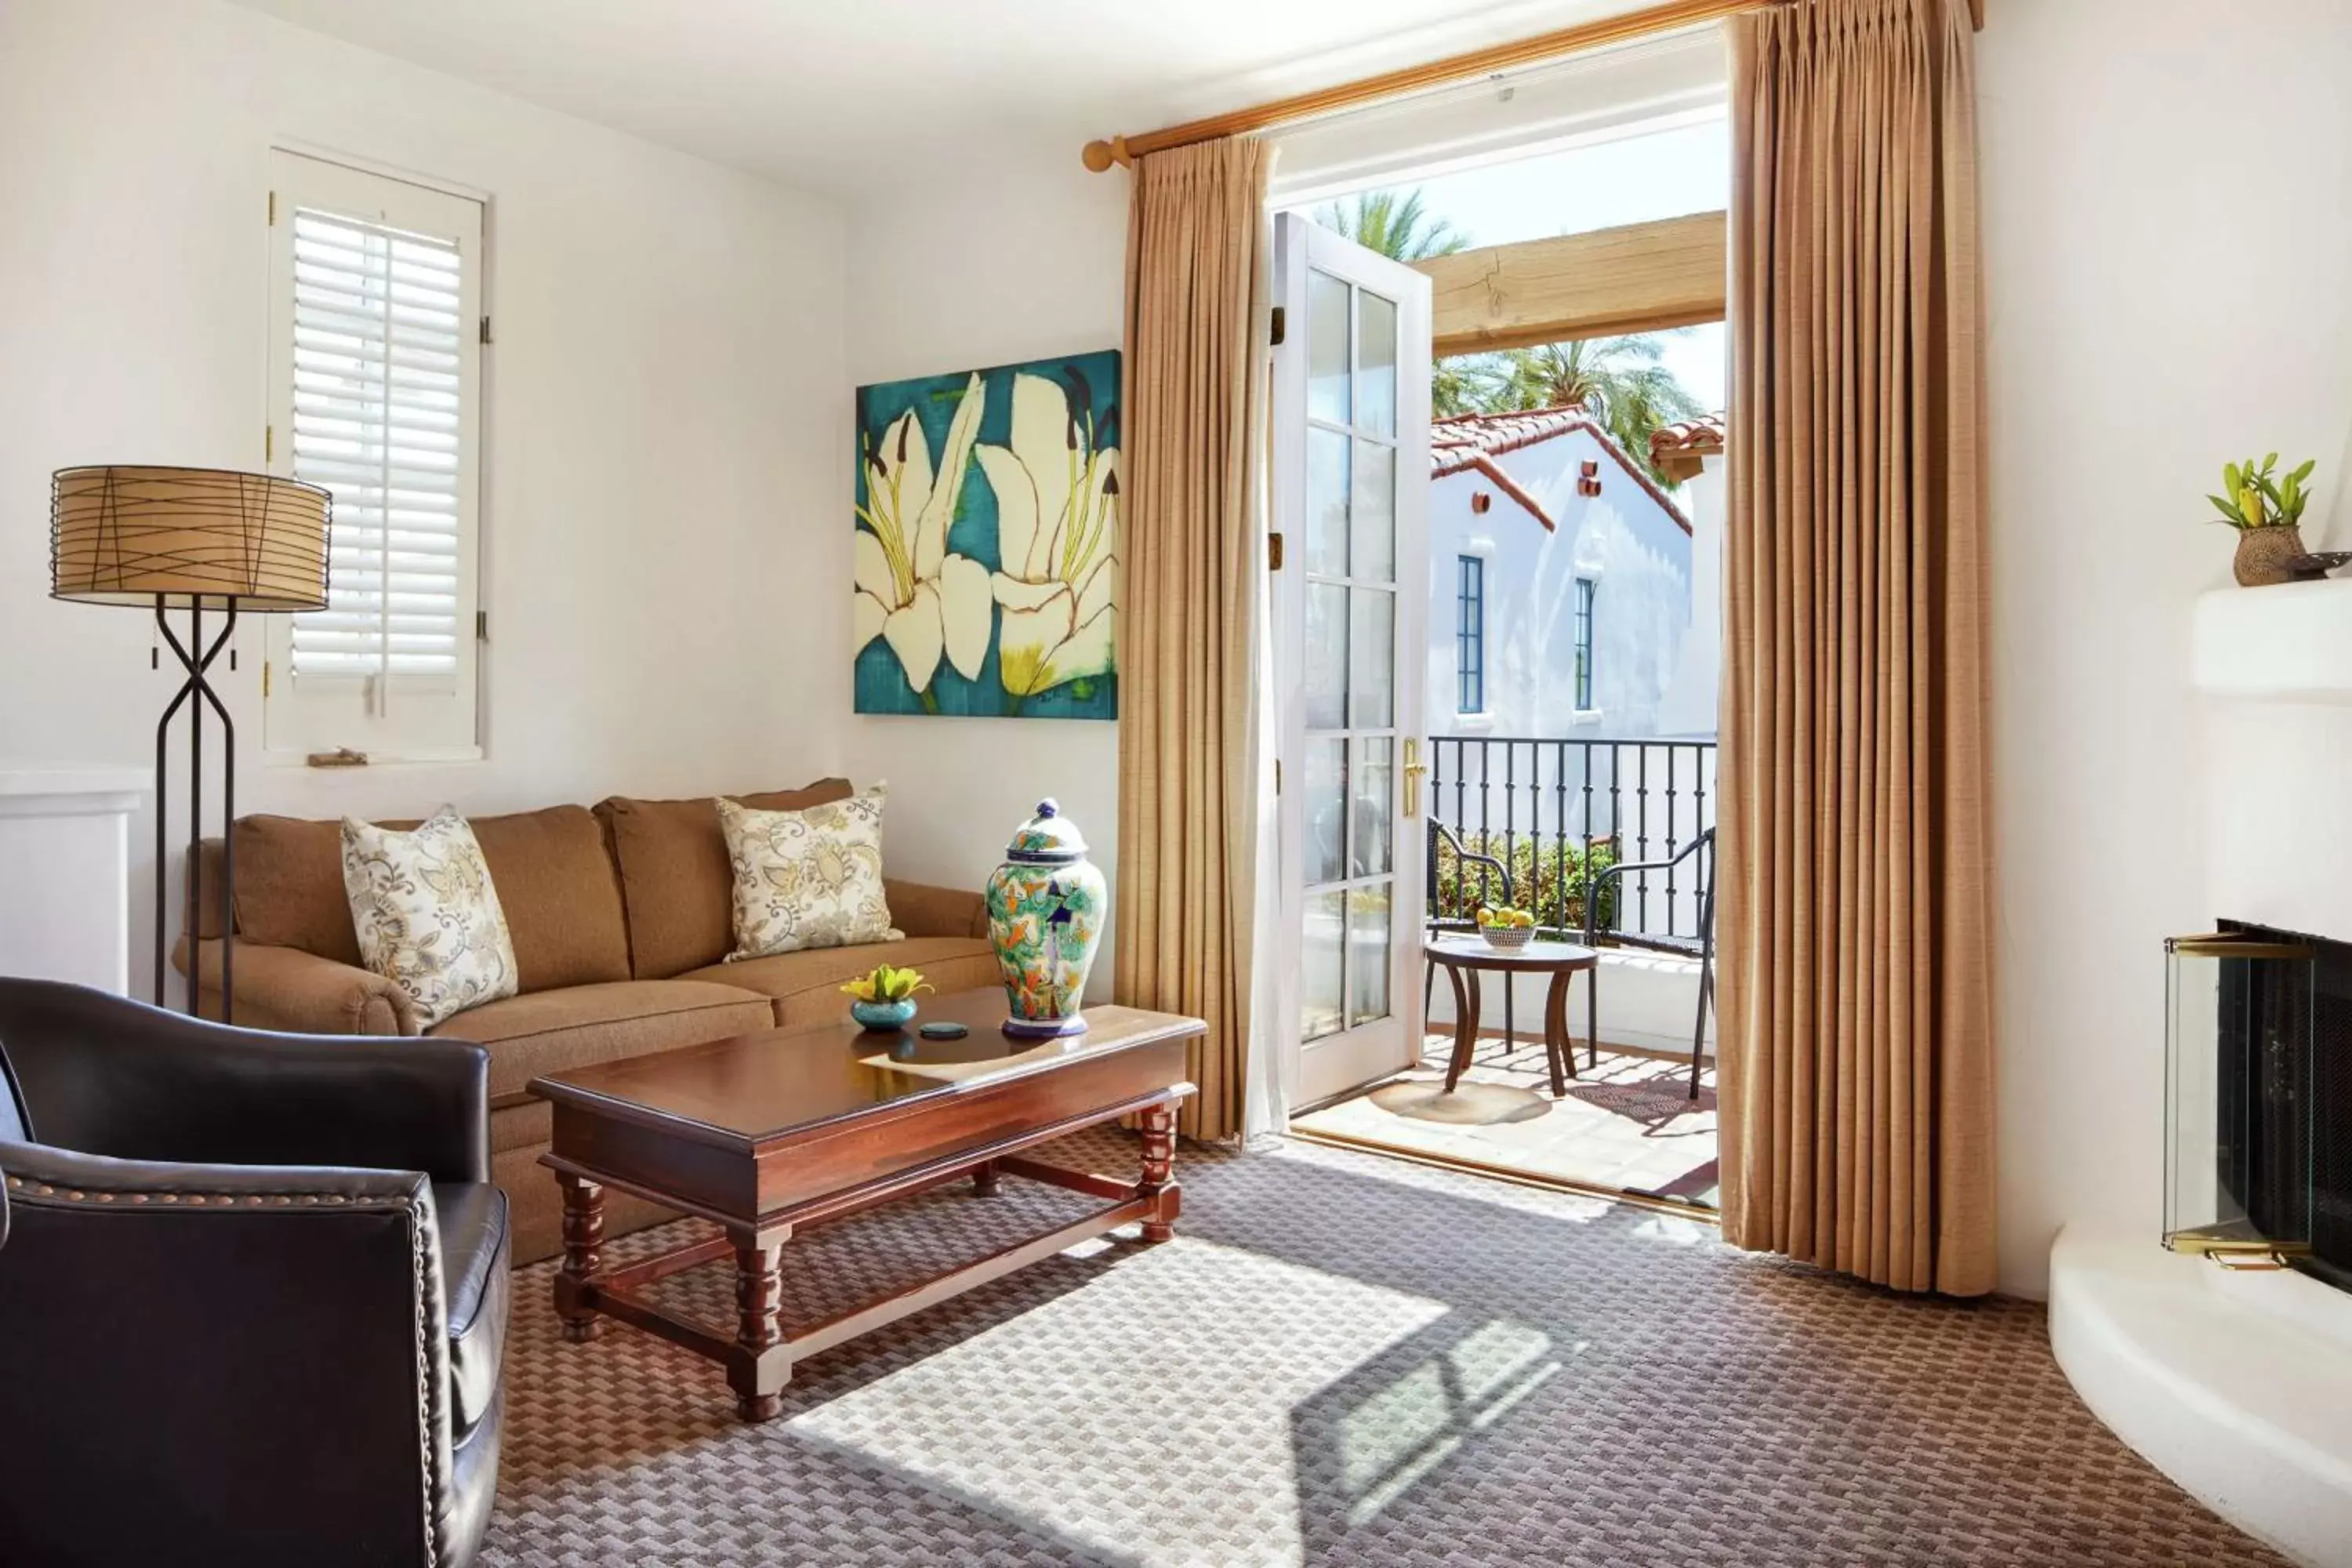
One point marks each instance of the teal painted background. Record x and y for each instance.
(881, 684)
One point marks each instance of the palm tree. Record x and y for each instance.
(1458, 386)
(1618, 380)
(1394, 226)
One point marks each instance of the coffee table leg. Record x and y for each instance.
(584, 1244)
(1159, 1124)
(757, 1377)
(985, 1180)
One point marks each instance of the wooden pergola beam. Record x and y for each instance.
(1642, 277)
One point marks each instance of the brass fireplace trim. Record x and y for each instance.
(2236, 1251)
(2231, 945)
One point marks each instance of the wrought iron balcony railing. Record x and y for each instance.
(1558, 812)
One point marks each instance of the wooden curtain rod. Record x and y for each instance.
(1477, 63)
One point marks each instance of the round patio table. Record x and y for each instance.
(1464, 957)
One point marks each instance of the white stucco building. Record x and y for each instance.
(1562, 586)
(1576, 643)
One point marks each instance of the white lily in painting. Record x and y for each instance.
(911, 592)
(1056, 514)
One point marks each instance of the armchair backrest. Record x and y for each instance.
(103, 1074)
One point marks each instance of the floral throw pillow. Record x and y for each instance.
(807, 879)
(426, 916)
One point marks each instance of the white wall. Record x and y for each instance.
(1637, 556)
(950, 278)
(1693, 703)
(2167, 254)
(667, 412)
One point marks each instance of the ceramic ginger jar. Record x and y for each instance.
(1045, 910)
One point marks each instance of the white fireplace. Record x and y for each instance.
(2238, 1383)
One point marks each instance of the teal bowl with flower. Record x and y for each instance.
(882, 1017)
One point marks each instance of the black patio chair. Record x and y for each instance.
(1702, 846)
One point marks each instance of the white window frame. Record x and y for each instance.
(390, 716)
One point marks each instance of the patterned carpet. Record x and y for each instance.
(1340, 1359)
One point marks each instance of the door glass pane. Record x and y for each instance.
(1371, 537)
(1376, 375)
(1327, 502)
(1371, 690)
(1319, 989)
(1326, 809)
(1326, 347)
(1367, 954)
(1327, 656)
(1375, 808)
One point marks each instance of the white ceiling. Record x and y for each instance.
(839, 95)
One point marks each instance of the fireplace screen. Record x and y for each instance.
(2240, 1095)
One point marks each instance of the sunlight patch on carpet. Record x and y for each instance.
(1063, 1422)
(1400, 1432)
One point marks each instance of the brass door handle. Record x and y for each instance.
(1413, 768)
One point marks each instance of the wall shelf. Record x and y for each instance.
(2288, 643)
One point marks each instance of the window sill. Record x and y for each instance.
(1585, 717)
(1474, 721)
(428, 759)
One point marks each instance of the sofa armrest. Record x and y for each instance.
(920, 910)
(298, 993)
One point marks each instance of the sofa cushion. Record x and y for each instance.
(556, 882)
(805, 984)
(290, 886)
(427, 914)
(549, 1031)
(807, 879)
(675, 882)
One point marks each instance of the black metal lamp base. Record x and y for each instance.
(196, 694)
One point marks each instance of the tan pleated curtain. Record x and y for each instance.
(1856, 1017)
(1195, 413)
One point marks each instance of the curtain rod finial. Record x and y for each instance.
(1101, 155)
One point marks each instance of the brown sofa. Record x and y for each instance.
(620, 913)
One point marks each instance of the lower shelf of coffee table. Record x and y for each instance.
(760, 1350)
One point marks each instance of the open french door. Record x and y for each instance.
(1350, 499)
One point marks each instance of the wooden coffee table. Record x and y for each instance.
(775, 1132)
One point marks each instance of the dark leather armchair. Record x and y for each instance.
(252, 1301)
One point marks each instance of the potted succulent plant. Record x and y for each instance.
(2265, 511)
(885, 1000)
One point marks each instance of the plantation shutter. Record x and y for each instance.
(375, 374)
(376, 338)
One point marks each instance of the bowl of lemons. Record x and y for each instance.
(1508, 929)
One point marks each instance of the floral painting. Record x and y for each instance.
(986, 568)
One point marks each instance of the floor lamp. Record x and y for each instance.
(191, 539)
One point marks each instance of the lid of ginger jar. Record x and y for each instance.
(1048, 838)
